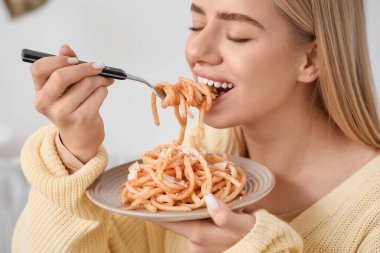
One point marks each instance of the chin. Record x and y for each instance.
(219, 122)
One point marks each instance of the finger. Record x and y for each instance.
(44, 67)
(63, 78)
(223, 217)
(79, 92)
(90, 107)
(188, 229)
(66, 50)
(177, 227)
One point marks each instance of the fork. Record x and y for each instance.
(110, 72)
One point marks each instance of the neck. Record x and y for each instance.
(292, 139)
(306, 152)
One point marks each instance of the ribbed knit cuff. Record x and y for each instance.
(269, 234)
(45, 171)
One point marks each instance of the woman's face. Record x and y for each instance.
(246, 43)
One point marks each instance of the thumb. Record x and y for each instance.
(223, 217)
(66, 50)
(219, 211)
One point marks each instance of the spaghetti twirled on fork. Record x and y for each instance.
(183, 95)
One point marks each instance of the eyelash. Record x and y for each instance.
(238, 40)
(235, 40)
(195, 29)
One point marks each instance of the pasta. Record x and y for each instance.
(173, 177)
(181, 96)
(176, 178)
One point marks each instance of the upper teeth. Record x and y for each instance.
(215, 83)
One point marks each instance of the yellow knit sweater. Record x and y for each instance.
(58, 216)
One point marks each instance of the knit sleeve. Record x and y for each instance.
(371, 243)
(58, 216)
(219, 141)
(269, 234)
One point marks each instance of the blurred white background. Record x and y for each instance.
(143, 37)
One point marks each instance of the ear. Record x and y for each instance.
(309, 69)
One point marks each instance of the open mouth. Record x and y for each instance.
(217, 88)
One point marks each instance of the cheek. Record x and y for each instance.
(271, 62)
(264, 63)
(266, 78)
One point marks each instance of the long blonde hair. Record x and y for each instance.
(345, 85)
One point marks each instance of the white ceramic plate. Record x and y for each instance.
(105, 192)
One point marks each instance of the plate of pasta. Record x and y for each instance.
(170, 181)
(110, 192)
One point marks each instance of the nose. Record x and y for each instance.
(203, 48)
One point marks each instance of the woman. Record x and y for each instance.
(302, 104)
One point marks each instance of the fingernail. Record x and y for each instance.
(72, 60)
(211, 202)
(98, 65)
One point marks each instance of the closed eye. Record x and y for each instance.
(238, 40)
(195, 29)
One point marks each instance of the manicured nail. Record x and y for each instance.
(72, 60)
(211, 202)
(98, 65)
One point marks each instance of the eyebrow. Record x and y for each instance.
(230, 16)
(197, 9)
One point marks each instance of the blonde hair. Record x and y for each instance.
(345, 85)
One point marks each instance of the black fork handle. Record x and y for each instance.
(109, 72)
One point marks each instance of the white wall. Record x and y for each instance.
(143, 37)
